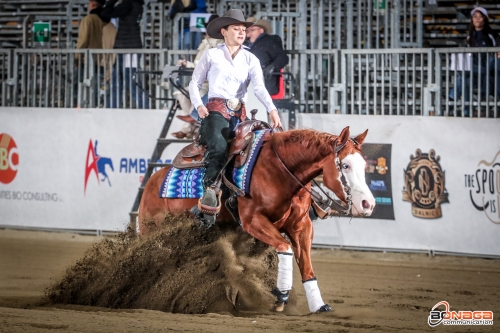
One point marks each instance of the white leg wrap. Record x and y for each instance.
(285, 270)
(313, 295)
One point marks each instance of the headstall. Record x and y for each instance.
(332, 203)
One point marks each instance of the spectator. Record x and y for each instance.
(189, 39)
(480, 35)
(190, 115)
(228, 62)
(108, 42)
(269, 50)
(129, 14)
(90, 36)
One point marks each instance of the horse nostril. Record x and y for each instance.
(365, 204)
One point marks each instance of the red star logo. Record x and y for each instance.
(92, 158)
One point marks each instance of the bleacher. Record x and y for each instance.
(322, 26)
(447, 23)
(17, 17)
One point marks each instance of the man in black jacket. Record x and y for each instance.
(269, 50)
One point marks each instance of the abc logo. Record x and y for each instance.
(9, 159)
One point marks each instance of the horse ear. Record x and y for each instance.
(344, 136)
(360, 138)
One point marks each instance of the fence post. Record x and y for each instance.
(436, 61)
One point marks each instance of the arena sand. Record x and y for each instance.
(182, 279)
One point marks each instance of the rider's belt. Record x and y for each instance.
(228, 107)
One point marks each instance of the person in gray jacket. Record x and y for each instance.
(129, 15)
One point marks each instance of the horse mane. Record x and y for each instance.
(315, 143)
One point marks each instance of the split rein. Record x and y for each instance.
(332, 203)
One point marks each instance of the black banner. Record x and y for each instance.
(378, 178)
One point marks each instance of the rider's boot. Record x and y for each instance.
(208, 201)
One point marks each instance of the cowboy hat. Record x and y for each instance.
(264, 24)
(232, 16)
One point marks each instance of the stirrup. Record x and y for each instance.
(210, 202)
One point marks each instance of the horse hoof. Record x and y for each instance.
(279, 307)
(325, 308)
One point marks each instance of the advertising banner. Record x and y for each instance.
(73, 169)
(442, 177)
(436, 180)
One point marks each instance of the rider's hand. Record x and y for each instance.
(275, 118)
(202, 111)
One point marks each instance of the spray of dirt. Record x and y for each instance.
(179, 268)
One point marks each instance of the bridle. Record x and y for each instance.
(332, 203)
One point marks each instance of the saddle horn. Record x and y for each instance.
(254, 112)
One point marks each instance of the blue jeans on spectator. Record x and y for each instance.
(461, 84)
(191, 40)
(121, 81)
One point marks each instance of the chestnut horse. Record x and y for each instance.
(279, 199)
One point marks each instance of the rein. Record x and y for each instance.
(333, 204)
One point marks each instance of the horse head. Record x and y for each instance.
(346, 161)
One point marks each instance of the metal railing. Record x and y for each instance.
(316, 72)
(386, 82)
(407, 82)
(468, 84)
(64, 78)
(45, 77)
(6, 64)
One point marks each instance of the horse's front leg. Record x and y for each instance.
(260, 227)
(301, 236)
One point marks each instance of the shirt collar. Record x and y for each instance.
(221, 45)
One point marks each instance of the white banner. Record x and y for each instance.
(73, 169)
(459, 213)
(81, 169)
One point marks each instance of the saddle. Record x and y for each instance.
(190, 157)
(193, 155)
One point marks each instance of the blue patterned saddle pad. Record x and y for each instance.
(183, 183)
(187, 183)
(242, 175)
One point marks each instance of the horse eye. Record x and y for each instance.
(345, 166)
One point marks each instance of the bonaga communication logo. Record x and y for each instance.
(447, 317)
(9, 159)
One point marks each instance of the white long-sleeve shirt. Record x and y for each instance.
(229, 78)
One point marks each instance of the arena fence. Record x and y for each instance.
(468, 83)
(5, 74)
(364, 82)
(386, 82)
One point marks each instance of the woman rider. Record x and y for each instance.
(229, 69)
